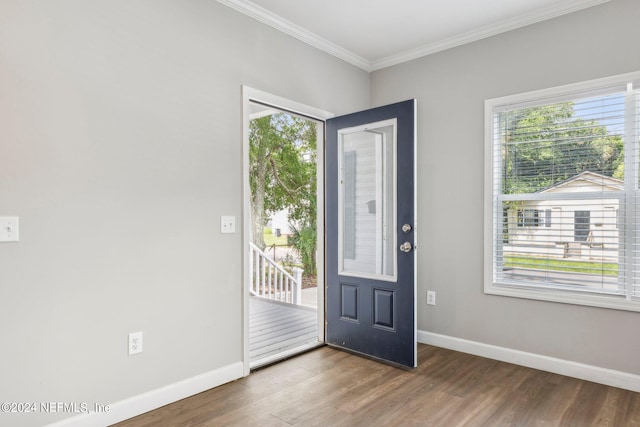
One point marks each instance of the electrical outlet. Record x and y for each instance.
(431, 297)
(135, 343)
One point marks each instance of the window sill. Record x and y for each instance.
(616, 302)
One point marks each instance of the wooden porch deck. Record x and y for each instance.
(277, 330)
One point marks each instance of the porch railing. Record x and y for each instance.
(269, 280)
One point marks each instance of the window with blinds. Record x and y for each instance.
(562, 221)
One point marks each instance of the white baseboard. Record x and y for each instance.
(145, 402)
(581, 371)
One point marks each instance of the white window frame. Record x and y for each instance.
(550, 96)
(382, 167)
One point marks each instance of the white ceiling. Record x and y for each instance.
(373, 34)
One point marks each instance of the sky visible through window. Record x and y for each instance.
(606, 110)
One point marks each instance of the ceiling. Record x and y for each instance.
(374, 34)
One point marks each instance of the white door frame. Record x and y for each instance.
(249, 95)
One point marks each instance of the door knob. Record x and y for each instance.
(406, 247)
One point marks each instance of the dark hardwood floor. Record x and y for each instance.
(327, 387)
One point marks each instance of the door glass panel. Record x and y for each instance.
(367, 201)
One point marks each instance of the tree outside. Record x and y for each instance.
(545, 145)
(282, 166)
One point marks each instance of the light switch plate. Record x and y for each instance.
(227, 224)
(9, 229)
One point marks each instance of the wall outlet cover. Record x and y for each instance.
(135, 343)
(431, 297)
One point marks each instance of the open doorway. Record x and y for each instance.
(283, 229)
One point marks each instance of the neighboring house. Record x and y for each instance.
(567, 227)
(280, 223)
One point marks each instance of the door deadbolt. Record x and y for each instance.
(406, 247)
(406, 228)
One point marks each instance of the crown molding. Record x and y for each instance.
(259, 13)
(485, 32)
(254, 11)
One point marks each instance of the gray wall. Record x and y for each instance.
(120, 147)
(451, 87)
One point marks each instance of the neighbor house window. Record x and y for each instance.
(562, 165)
(528, 217)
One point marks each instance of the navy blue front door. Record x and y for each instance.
(370, 233)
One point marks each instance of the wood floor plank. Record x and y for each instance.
(335, 385)
(328, 387)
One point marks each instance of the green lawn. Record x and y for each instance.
(270, 239)
(590, 267)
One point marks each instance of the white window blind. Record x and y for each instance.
(562, 194)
